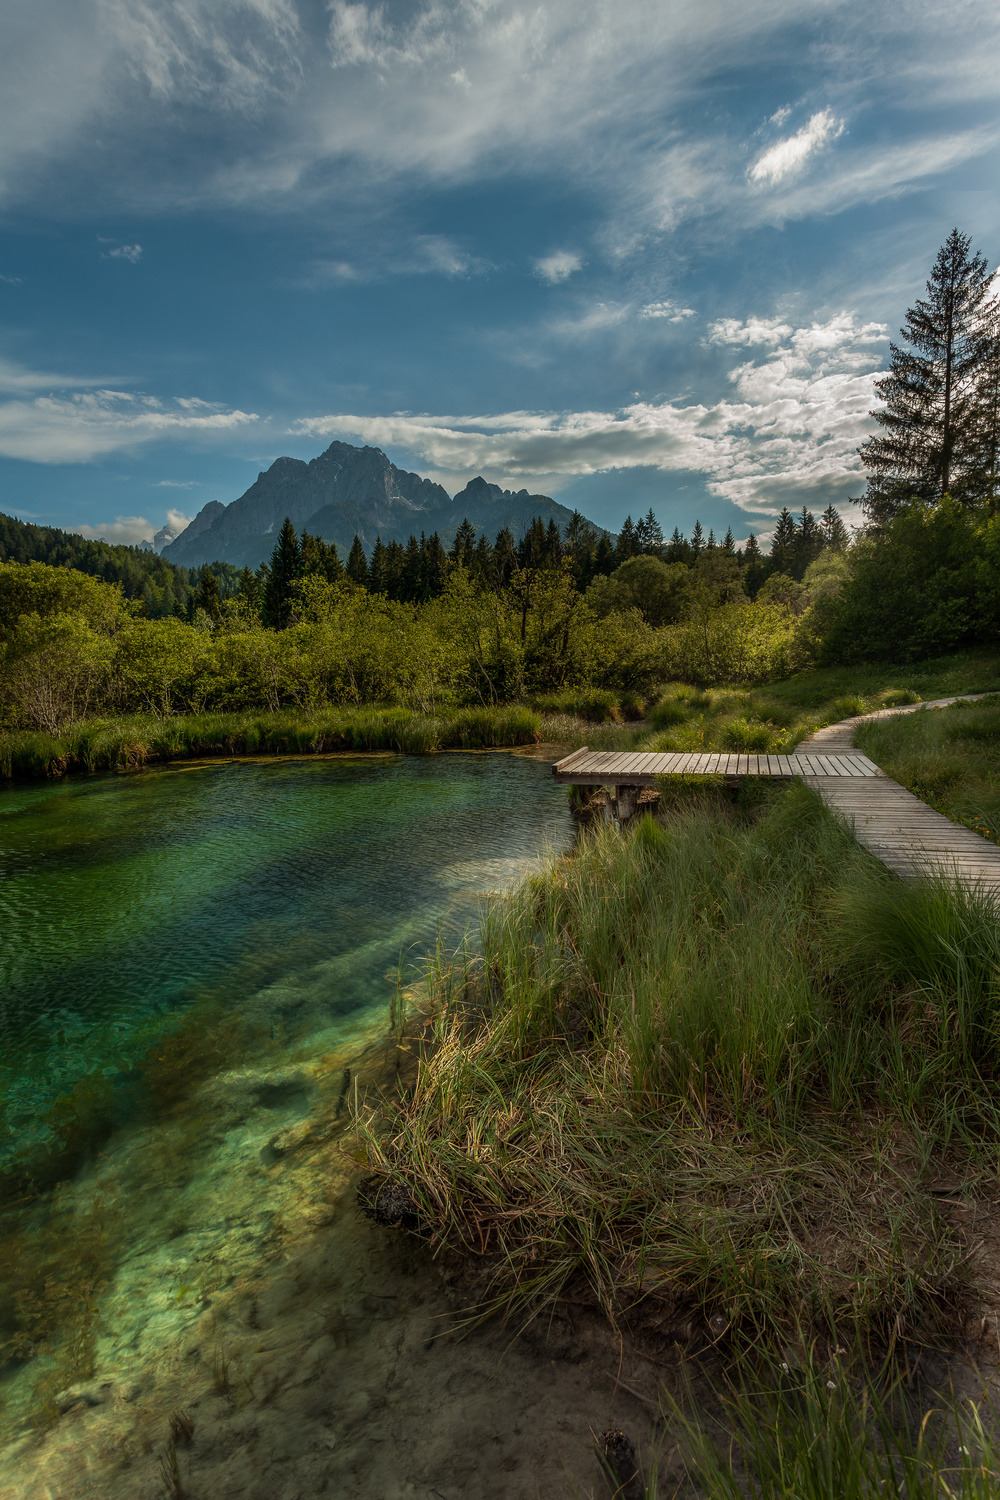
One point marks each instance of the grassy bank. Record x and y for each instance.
(776, 717)
(130, 743)
(708, 1075)
(949, 757)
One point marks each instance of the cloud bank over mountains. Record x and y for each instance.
(788, 433)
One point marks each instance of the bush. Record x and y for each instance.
(749, 735)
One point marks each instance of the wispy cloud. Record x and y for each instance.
(559, 266)
(787, 434)
(176, 484)
(131, 253)
(77, 428)
(417, 255)
(669, 310)
(791, 154)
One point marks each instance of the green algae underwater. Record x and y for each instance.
(161, 929)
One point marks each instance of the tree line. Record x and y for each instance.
(419, 570)
(162, 588)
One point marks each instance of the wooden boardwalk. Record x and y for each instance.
(904, 833)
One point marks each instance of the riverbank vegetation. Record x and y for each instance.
(722, 1076)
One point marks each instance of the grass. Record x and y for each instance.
(777, 716)
(949, 757)
(814, 1433)
(128, 744)
(701, 1071)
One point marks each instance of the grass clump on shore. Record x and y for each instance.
(813, 1432)
(948, 757)
(130, 743)
(699, 1073)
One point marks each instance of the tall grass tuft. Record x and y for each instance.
(813, 1432)
(679, 1070)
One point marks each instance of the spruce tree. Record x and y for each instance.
(927, 448)
(357, 563)
(754, 567)
(284, 572)
(465, 542)
(833, 530)
(604, 558)
(649, 534)
(986, 475)
(378, 573)
(678, 549)
(728, 544)
(627, 544)
(697, 542)
(807, 543)
(504, 558)
(783, 543)
(208, 596)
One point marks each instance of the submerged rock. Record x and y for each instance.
(388, 1202)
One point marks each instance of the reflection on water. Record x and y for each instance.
(289, 889)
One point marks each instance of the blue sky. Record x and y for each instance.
(623, 252)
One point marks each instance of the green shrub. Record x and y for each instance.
(749, 735)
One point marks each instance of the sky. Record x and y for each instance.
(629, 253)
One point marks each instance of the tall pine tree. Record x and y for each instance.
(928, 444)
(357, 563)
(283, 574)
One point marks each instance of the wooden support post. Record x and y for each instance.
(626, 802)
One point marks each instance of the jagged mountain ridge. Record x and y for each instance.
(344, 491)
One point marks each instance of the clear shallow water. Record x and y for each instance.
(291, 888)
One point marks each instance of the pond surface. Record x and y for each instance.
(292, 889)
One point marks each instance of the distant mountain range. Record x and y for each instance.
(349, 491)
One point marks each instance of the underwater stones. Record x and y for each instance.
(284, 1142)
(388, 1202)
(85, 1393)
(244, 1092)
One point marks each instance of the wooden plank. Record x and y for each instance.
(569, 760)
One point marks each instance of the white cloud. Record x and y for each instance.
(176, 522)
(132, 253)
(788, 433)
(124, 531)
(59, 429)
(791, 154)
(130, 531)
(668, 310)
(175, 484)
(559, 266)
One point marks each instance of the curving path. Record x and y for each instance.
(904, 833)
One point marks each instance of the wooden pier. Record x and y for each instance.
(904, 833)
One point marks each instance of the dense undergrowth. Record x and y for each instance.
(948, 757)
(677, 717)
(703, 1074)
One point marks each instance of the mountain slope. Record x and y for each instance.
(344, 491)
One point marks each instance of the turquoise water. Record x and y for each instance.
(283, 890)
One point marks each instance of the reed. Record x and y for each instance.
(128, 744)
